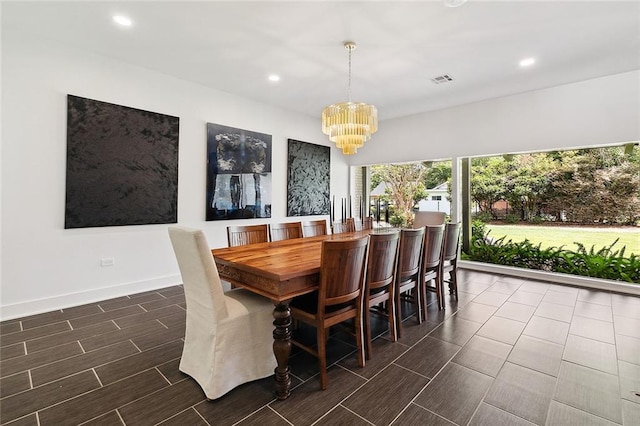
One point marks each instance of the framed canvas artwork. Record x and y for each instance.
(309, 167)
(238, 173)
(122, 165)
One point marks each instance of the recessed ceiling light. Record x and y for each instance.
(527, 62)
(274, 77)
(122, 20)
(454, 3)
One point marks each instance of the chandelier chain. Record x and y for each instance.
(349, 49)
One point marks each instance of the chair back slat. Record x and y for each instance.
(250, 234)
(285, 231)
(313, 228)
(342, 270)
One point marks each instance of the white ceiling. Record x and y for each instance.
(233, 46)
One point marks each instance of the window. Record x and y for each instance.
(436, 198)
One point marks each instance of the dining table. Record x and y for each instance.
(280, 271)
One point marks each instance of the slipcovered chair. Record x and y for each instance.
(228, 339)
(423, 218)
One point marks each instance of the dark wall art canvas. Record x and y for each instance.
(238, 173)
(309, 167)
(122, 165)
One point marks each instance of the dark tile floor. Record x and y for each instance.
(509, 352)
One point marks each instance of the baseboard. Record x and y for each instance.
(38, 306)
(554, 277)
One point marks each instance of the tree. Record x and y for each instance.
(597, 185)
(528, 183)
(488, 182)
(436, 173)
(405, 188)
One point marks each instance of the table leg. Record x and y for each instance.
(282, 348)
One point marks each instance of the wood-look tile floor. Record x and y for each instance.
(510, 352)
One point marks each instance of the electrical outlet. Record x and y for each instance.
(107, 261)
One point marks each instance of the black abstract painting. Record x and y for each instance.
(309, 167)
(122, 165)
(238, 173)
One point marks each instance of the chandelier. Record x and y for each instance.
(349, 124)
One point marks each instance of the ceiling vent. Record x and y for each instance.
(441, 79)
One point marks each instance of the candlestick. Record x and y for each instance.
(333, 209)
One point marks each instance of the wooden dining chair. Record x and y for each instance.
(339, 297)
(285, 231)
(449, 261)
(433, 237)
(339, 228)
(367, 222)
(228, 339)
(249, 234)
(313, 228)
(380, 285)
(408, 273)
(351, 224)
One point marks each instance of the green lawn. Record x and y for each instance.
(556, 236)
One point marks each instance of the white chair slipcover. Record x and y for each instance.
(228, 339)
(424, 218)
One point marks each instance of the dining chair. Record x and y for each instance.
(380, 284)
(248, 234)
(339, 297)
(285, 231)
(313, 228)
(351, 224)
(423, 218)
(433, 237)
(228, 339)
(408, 273)
(367, 222)
(339, 228)
(449, 261)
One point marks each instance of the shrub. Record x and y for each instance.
(483, 217)
(478, 230)
(604, 263)
(512, 218)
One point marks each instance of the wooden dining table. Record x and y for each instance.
(280, 271)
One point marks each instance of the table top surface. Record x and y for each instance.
(280, 260)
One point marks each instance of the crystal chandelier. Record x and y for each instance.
(349, 124)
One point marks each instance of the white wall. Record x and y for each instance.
(594, 112)
(46, 267)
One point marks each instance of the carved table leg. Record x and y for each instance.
(282, 348)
